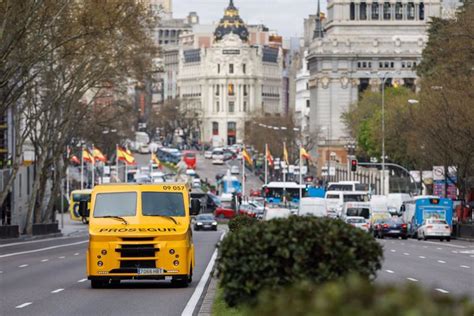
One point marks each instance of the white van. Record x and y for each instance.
(313, 206)
(379, 204)
(271, 213)
(395, 201)
(358, 209)
(347, 186)
(335, 200)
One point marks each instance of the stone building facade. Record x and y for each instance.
(360, 44)
(230, 81)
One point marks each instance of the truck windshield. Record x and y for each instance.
(115, 204)
(163, 204)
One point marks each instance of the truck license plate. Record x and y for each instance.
(150, 271)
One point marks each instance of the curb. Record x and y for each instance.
(29, 238)
(208, 301)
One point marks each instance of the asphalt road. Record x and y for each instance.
(440, 266)
(48, 278)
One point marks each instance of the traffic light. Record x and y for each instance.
(353, 165)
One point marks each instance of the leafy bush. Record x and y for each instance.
(285, 251)
(240, 221)
(358, 297)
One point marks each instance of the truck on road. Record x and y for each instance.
(140, 231)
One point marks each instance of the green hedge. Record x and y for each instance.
(282, 252)
(357, 297)
(241, 221)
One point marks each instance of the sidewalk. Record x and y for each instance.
(70, 229)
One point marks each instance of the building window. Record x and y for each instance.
(422, 11)
(218, 68)
(215, 128)
(246, 93)
(218, 106)
(363, 11)
(352, 11)
(245, 106)
(217, 90)
(398, 11)
(244, 68)
(230, 89)
(231, 106)
(231, 68)
(308, 104)
(387, 11)
(410, 11)
(375, 11)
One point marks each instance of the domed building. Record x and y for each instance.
(230, 81)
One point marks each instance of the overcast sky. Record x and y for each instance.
(284, 16)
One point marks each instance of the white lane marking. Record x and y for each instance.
(193, 301)
(82, 280)
(442, 291)
(467, 251)
(439, 248)
(76, 254)
(390, 271)
(44, 260)
(446, 245)
(1, 272)
(422, 257)
(406, 253)
(441, 261)
(23, 266)
(412, 279)
(454, 251)
(393, 250)
(62, 257)
(465, 267)
(57, 291)
(24, 305)
(43, 249)
(425, 246)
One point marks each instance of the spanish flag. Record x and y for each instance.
(268, 155)
(98, 155)
(285, 154)
(87, 156)
(304, 154)
(125, 156)
(247, 157)
(155, 160)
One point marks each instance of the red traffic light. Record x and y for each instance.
(353, 165)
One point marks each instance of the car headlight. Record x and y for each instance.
(214, 223)
(198, 223)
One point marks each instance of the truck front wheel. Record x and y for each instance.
(97, 284)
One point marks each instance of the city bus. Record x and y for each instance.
(274, 191)
(169, 155)
(76, 197)
(421, 208)
(140, 232)
(189, 158)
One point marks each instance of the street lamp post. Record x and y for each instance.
(384, 80)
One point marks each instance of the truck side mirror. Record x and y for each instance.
(83, 209)
(195, 207)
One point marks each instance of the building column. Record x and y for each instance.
(381, 11)
(369, 11)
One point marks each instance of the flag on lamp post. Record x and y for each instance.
(268, 155)
(156, 161)
(285, 154)
(98, 155)
(304, 154)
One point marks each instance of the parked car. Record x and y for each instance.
(205, 222)
(358, 221)
(196, 183)
(208, 154)
(224, 211)
(235, 170)
(228, 155)
(391, 227)
(248, 210)
(434, 228)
